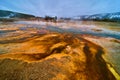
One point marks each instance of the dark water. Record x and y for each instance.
(78, 31)
(112, 29)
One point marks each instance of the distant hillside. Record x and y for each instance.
(115, 17)
(10, 14)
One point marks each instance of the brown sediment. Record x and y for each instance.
(65, 57)
(97, 66)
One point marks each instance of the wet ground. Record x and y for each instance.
(88, 47)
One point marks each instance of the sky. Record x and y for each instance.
(61, 8)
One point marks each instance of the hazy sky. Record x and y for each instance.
(59, 8)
